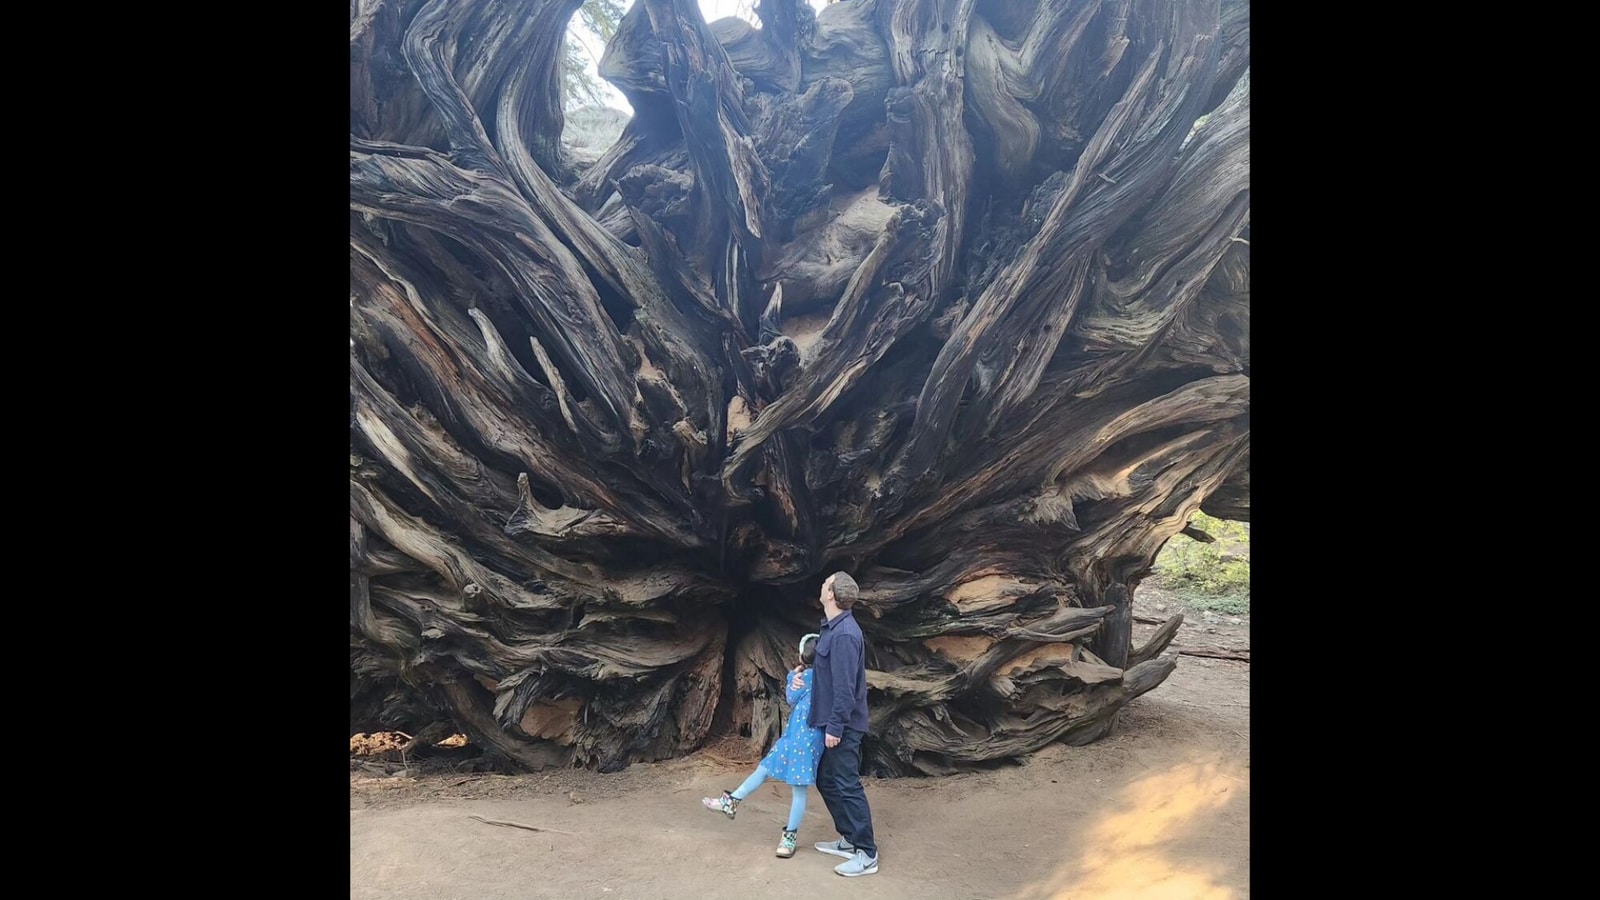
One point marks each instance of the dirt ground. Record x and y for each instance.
(1160, 809)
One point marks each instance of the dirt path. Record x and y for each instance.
(1158, 810)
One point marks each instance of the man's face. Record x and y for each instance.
(827, 589)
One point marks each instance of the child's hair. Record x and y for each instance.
(808, 650)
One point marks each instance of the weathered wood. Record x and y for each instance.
(1117, 629)
(1239, 653)
(952, 295)
(1157, 642)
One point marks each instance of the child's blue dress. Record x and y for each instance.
(793, 758)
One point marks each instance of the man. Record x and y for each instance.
(839, 707)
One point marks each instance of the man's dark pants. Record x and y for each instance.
(839, 783)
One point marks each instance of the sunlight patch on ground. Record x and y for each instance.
(1129, 852)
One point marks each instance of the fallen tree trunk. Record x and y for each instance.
(952, 295)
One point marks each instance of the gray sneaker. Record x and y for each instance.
(860, 864)
(841, 847)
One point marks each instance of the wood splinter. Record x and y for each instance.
(520, 825)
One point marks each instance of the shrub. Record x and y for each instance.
(1213, 576)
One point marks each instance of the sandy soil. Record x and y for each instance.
(1160, 809)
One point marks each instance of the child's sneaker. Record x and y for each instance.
(724, 804)
(786, 845)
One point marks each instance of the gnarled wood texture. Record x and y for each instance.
(952, 295)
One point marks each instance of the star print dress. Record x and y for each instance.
(794, 757)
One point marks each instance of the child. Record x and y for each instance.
(792, 759)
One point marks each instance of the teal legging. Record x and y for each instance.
(797, 806)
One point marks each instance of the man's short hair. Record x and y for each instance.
(845, 591)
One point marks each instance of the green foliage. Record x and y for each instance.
(1228, 605)
(1214, 576)
(578, 87)
(602, 16)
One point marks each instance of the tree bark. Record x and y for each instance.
(951, 295)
